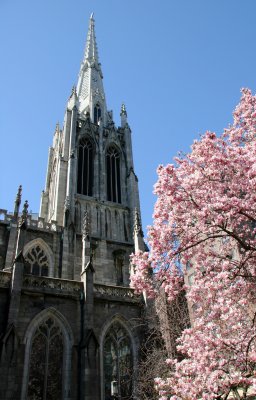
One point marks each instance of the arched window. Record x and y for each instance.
(85, 167)
(113, 175)
(117, 355)
(97, 114)
(46, 362)
(36, 262)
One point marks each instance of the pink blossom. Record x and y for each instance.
(205, 214)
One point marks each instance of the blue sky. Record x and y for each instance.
(178, 65)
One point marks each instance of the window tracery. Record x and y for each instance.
(46, 362)
(117, 354)
(36, 262)
(113, 175)
(85, 167)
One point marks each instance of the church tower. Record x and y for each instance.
(90, 169)
(69, 321)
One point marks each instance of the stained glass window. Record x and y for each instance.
(36, 262)
(117, 364)
(46, 363)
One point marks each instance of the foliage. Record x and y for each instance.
(205, 215)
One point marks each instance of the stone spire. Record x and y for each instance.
(91, 51)
(90, 89)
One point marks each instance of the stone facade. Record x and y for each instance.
(68, 318)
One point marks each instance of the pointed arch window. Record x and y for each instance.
(46, 362)
(36, 262)
(97, 114)
(117, 355)
(85, 167)
(113, 175)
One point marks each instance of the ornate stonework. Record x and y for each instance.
(65, 274)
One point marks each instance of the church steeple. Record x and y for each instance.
(90, 91)
(91, 51)
(91, 172)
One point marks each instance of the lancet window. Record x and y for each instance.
(85, 167)
(36, 262)
(117, 363)
(46, 362)
(113, 175)
(97, 114)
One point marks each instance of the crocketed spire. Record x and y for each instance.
(90, 89)
(91, 51)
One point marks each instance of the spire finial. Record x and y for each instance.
(92, 16)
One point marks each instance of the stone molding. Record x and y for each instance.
(52, 285)
(115, 292)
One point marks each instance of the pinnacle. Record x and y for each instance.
(123, 110)
(137, 223)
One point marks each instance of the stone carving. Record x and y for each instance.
(115, 291)
(41, 224)
(63, 285)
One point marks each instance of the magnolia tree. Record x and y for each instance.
(205, 215)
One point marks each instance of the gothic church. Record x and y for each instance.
(67, 314)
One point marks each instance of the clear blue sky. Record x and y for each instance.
(178, 65)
